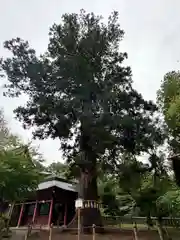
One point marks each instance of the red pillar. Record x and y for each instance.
(20, 215)
(50, 213)
(35, 210)
(65, 215)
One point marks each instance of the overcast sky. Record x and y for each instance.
(152, 41)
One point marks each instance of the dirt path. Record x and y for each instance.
(126, 235)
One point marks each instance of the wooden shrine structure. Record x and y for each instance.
(52, 202)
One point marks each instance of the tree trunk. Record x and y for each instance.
(88, 187)
(90, 215)
(176, 168)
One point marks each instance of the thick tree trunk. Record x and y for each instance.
(90, 215)
(88, 187)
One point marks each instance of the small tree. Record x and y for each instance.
(18, 175)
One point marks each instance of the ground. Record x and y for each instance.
(123, 235)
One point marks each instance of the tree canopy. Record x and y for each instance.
(80, 84)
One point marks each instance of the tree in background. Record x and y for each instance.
(109, 191)
(168, 99)
(144, 184)
(18, 175)
(59, 169)
(170, 202)
(18, 169)
(80, 92)
(6, 138)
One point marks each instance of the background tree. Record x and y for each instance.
(170, 202)
(18, 175)
(18, 166)
(6, 138)
(168, 99)
(144, 184)
(108, 192)
(59, 169)
(80, 91)
(19, 171)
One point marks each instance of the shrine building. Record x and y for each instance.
(52, 202)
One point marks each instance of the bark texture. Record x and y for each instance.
(88, 187)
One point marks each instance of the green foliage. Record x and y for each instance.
(143, 184)
(7, 139)
(18, 166)
(168, 99)
(59, 169)
(79, 89)
(108, 191)
(147, 197)
(170, 202)
(136, 187)
(130, 173)
(18, 175)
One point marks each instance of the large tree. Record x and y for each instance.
(81, 92)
